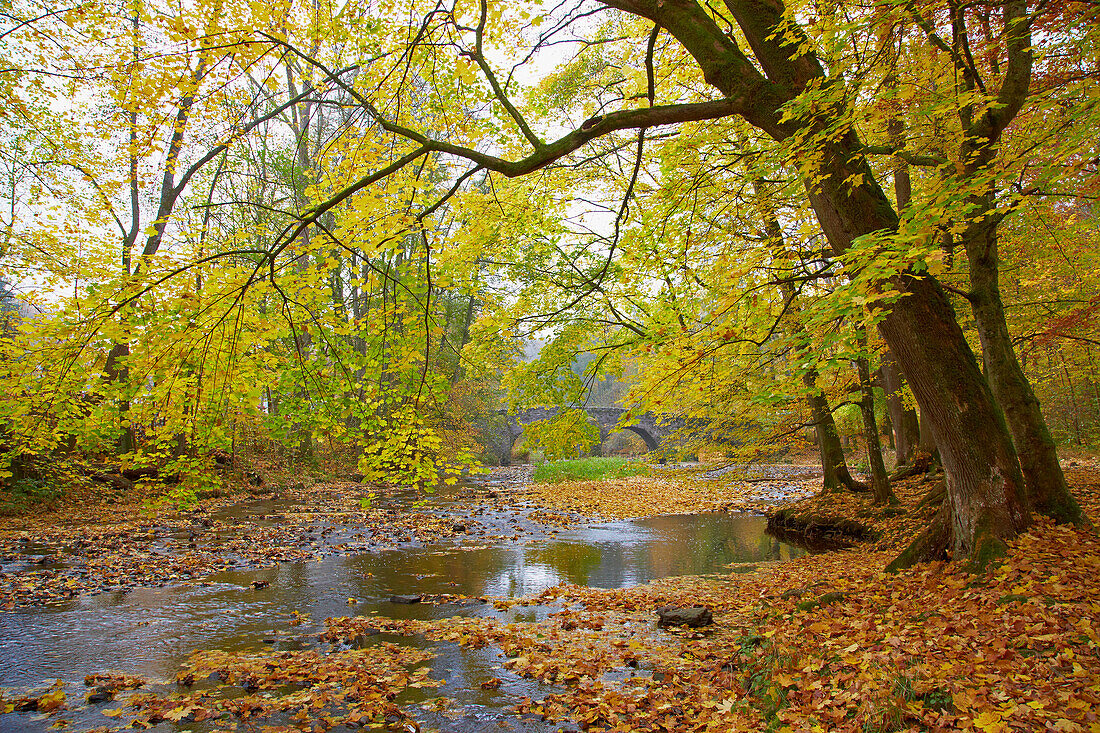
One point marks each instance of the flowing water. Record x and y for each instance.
(150, 631)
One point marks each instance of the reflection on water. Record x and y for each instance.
(149, 631)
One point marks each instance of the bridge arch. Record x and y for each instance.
(650, 441)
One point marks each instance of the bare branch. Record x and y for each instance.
(595, 127)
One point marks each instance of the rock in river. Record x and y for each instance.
(406, 599)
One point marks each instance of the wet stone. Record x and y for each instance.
(693, 616)
(364, 638)
(406, 599)
(100, 695)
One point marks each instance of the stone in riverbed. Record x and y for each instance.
(100, 695)
(693, 616)
(366, 632)
(406, 599)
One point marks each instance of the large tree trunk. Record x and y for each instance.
(988, 501)
(903, 420)
(1046, 484)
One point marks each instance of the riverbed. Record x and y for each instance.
(496, 550)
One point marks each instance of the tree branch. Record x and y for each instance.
(479, 58)
(593, 128)
(919, 161)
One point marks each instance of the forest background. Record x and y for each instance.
(333, 228)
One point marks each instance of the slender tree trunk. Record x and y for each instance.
(888, 431)
(1046, 484)
(880, 482)
(903, 420)
(834, 466)
(302, 119)
(1073, 401)
(116, 370)
(905, 423)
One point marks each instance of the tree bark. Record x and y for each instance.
(927, 442)
(888, 427)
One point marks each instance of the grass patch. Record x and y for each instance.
(589, 469)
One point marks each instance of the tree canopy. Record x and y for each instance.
(325, 222)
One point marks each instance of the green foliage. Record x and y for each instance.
(389, 321)
(566, 435)
(196, 478)
(589, 469)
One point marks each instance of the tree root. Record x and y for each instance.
(987, 553)
(935, 496)
(921, 463)
(930, 545)
(815, 529)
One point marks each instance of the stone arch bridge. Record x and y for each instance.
(652, 429)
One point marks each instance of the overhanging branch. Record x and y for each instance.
(629, 119)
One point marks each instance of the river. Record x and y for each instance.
(150, 631)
